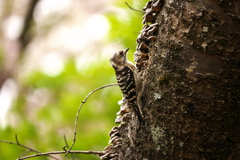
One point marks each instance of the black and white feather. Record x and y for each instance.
(128, 80)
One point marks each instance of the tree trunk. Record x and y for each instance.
(191, 95)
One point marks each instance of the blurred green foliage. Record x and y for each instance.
(125, 28)
(43, 126)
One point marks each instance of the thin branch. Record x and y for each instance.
(65, 140)
(16, 138)
(48, 153)
(67, 146)
(23, 146)
(62, 152)
(133, 8)
(19, 144)
(79, 109)
(64, 148)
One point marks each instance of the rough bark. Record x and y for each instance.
(191, 96)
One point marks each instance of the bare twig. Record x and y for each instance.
(133, 8)
(16, 138)
(23, 146)
(67, 146)
(64, 148)
(19, 144)
(62, 152)
(49, 154)
(65, 140)
(79, 109)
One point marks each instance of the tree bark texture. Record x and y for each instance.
(191, 95)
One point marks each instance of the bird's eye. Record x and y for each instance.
(121, 53)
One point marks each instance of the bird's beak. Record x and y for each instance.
(126, 50)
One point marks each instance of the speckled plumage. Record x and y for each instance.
(128, 80)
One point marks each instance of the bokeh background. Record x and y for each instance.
(52, 54)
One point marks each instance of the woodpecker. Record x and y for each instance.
(128, 80)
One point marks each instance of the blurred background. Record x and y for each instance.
(52, 54)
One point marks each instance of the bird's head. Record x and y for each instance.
(119, 59)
